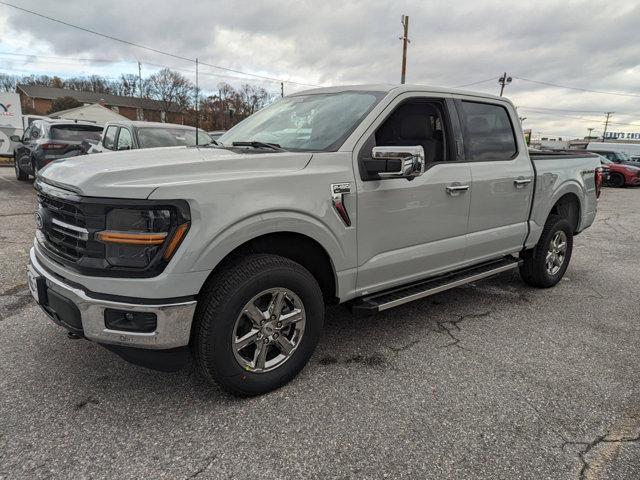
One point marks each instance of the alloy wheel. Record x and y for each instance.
(556, 253)
(268, 330)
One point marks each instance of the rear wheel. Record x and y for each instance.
(616, 180)
(20, 175)
(545, 264)
(257, 323)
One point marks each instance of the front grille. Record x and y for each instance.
(63, 227)
(65, 211)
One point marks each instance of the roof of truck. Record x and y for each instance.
(395, 88)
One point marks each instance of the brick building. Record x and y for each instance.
(38, 100)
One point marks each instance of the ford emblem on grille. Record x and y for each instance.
(39, 221)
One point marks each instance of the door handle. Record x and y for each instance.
(521, 181)
(456, 188)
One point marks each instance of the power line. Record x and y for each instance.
(79, 61)
(558, 109)
(601, 92)
(151, 49)
(581, 118)
(474, 83)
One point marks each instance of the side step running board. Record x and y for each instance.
(384, 300)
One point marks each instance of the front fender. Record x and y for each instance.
(258, 225)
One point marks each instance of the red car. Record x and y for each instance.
(621, 175)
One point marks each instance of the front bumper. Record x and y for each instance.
(72, 308)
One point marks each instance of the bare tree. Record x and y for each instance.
(172, 89)
(8, 82)
(128, 85)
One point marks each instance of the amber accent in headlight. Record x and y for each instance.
(174, 243)
(127, 238)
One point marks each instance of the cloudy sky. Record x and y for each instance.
(590, 45)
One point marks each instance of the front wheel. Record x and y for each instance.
(545, 264)
(257, 323)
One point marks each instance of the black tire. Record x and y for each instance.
(534, 270)
(220, 304)
(20, 175)
(616, 180)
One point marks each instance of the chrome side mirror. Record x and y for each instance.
(397, 162)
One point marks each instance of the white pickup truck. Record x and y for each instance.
(371, 195)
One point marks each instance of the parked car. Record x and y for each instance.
(621, 175)
(613, 155)
(216, 134)
(47, 140)
(134, 135)
(232, 251)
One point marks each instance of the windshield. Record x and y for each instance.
(318, 122)
(624, 157)
(150, 137)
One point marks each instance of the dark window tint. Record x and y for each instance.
(412, 124)
(488, 132)
(109, 140)
(74, 133)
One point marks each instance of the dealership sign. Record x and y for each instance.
(621, 135)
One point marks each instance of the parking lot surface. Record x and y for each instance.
(494, 380)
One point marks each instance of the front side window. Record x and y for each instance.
(415, 123)
(488, 132)
(319, 122)
(125, 142)
(109, 140)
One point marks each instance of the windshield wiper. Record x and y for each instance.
(255, 144)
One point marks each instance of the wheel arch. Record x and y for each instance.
(295, 246)
(568, 206)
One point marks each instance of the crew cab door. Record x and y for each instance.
(502, 177)
(410, 229)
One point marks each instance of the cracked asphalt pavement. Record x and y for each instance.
(493, 380)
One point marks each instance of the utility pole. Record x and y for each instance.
(590, 130)
(606, 123)
(140, 77)
(197, 101)
(405, 41)
(281, 89)
(504, 80)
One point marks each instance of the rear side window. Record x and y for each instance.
(109, 140)
(75, 133)
(488, 132)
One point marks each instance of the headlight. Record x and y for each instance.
(135, 237)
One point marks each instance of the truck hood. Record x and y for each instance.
(137, 173)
